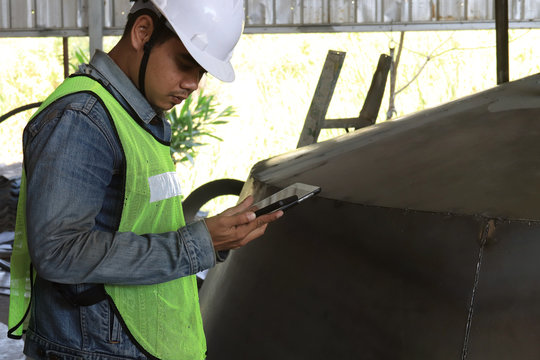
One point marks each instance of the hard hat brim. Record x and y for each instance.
(222, 70)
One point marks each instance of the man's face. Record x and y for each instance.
(171, 75)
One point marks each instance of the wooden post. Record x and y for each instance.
(321, 99)
(373, 100)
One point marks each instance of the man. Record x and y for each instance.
(100, 239)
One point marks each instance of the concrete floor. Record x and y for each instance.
(11, 349)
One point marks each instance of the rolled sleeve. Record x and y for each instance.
(198, 245)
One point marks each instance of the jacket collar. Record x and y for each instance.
(110, 74)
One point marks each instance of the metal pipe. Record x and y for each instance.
(95, 26)
(501, 28)
(65, 48)
(274, 10)
(302, 12)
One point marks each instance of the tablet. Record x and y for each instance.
(286, 198)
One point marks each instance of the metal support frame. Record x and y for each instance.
(287, 29)
(381, 27)
(65, 53)
(40, 18)
(501, 26)
(95, 25)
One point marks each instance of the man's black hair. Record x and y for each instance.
(162, 32)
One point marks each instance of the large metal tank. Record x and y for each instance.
(423, 244)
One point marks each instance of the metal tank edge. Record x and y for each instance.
(341, 278)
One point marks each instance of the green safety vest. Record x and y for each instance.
(163, 319)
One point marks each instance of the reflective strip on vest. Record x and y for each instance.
(164, 319)
(164, 186)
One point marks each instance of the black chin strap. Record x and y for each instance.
(147, 48)
(144, 62)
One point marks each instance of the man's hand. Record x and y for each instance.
(237, 226)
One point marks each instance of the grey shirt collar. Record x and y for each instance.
(104, 68)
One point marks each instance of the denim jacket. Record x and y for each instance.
(73, 163)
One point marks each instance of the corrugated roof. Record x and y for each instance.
(70, 17)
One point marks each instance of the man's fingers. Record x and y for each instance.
(268, 218)
(238, 219)
(239, 208)
(231, 232)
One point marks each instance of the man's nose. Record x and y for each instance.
(191, 80)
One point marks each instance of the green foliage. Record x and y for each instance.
(195, 120)
(81, 57)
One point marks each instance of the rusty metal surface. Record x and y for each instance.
(505, 317)
(423, 243)
(477, 155)
(334, 280)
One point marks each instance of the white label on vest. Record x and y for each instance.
(164, 186)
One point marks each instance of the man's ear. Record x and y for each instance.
(141, 31)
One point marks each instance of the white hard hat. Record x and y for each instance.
(209, 29)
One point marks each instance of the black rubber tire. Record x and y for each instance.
(18, 110)
(207, 192)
